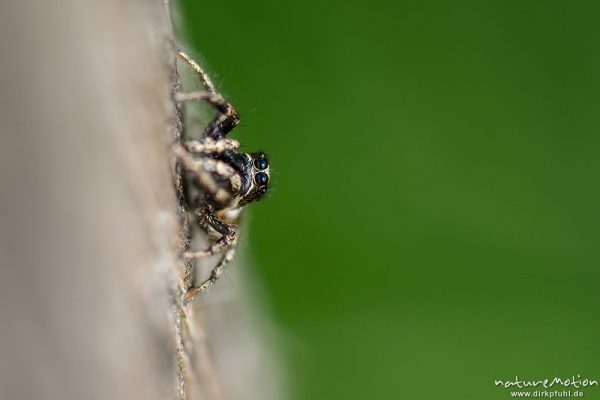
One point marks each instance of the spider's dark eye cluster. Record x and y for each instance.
(261, 178)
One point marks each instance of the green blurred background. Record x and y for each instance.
(433, 224)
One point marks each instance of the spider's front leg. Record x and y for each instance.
(210, 146)
(228, 117)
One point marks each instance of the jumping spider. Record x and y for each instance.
(224, 179)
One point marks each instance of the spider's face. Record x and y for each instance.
(257, 177)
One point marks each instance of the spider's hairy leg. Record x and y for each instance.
(204, 169)
(211, 146)
(216, 272)
(228, 117)
(214, 99)
(202, 75)
(207, 220)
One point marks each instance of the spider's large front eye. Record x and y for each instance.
(261, 163)
(261, 178)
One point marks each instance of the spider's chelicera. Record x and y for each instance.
(224, 180)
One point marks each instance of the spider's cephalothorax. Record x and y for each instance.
(224, 179)
(253, 170)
